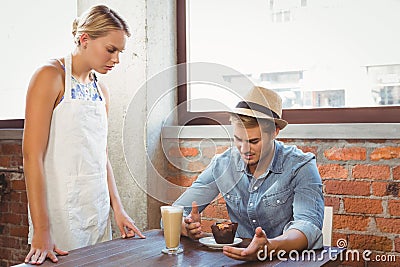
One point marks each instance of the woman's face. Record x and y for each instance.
(103, 52)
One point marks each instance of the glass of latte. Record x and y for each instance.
(172, 223)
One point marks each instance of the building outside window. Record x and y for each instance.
(385, 82)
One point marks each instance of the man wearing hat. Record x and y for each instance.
(273, 191)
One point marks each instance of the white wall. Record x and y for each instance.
(32, 33)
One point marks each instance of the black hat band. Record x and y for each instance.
(257, 107)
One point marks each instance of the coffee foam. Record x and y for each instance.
(173, 210)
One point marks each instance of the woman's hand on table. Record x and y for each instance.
(43, 247)
(126, 225)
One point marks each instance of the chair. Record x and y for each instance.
(327, 226)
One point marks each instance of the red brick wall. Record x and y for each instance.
(361, 181)
(13, 205)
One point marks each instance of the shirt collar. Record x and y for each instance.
(277, 161)
(276, 165)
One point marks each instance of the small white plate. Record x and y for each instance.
(210, 242)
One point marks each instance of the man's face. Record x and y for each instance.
(253, 144)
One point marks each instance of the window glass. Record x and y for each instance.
(32, 33)
(385, 81)
(315, 53)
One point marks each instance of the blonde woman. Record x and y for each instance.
(69, 179)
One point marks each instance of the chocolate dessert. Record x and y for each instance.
(224, 232)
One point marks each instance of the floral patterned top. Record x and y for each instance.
(89, 91)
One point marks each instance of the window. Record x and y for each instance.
(385, 82)
(328, 59)
(32, 33)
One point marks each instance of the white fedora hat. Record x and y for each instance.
(262, 103)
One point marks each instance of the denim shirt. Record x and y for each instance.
(287, 196)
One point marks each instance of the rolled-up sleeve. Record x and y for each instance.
(312, 232)
(308, 204)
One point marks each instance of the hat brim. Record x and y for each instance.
(256, 114)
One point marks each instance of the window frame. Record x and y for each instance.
(383, 114)
(12, 124)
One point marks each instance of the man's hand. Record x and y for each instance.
(193, 223)
(250, 253)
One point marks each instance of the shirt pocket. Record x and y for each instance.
(278, 206)
(234, 203)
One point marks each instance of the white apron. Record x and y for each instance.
(75, 172)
